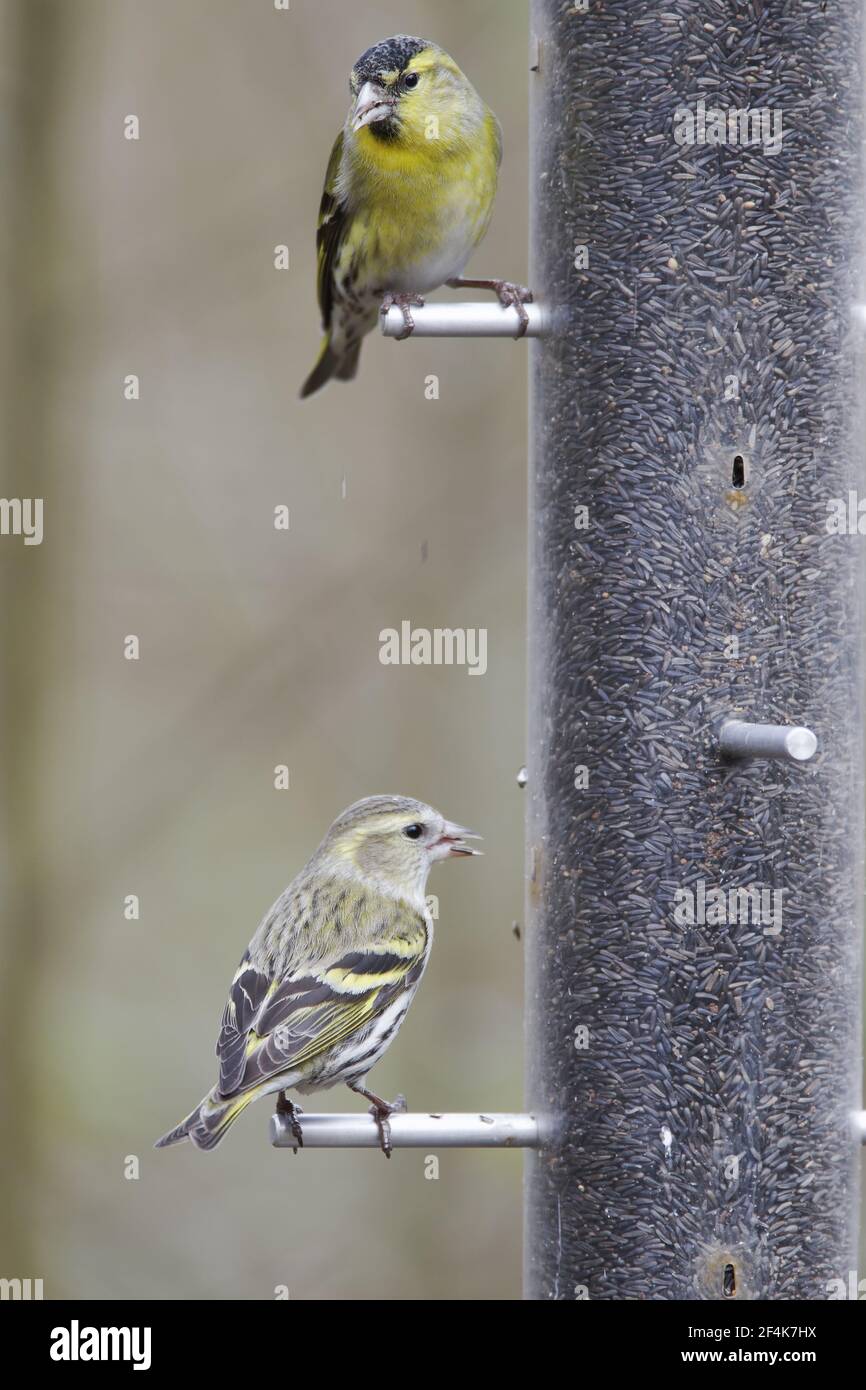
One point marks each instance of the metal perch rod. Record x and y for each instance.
(410, 1131)
(465, 321)
(789, 743)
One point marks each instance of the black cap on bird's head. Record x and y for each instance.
(390, 56)
(384, 82)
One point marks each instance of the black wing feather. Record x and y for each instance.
(246, 996)
(333, 220)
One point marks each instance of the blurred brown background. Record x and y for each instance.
(155, 777)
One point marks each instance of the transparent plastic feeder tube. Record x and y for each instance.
(695, 920)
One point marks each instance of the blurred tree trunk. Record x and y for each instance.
(30, 41)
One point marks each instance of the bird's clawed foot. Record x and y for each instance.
(510, 296)
(405, 303)
(285, 1107)
(381, 1110)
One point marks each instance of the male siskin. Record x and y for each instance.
(332, 969)
(408, 196)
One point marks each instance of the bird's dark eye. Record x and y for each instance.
(411, 80)
(414, 832)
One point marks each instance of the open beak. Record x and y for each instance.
(373, 104)
(453, 838)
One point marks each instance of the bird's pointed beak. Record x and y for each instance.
(453, 840)
(373, 104)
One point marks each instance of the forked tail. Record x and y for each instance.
(207, 1124)
(329, 365)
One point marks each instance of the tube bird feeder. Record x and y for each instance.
(695, 910)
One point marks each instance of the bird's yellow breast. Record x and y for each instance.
(417, 215)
